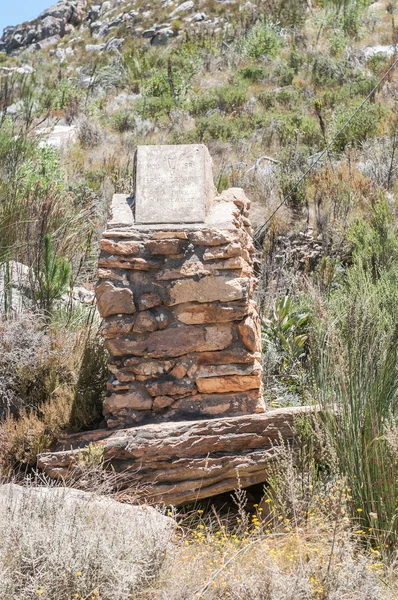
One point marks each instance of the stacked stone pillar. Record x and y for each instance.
(180, 323)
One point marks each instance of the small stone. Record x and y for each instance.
(117, 326)
(231, 383)
(149, 368)
(114, 301)
(183, 387)
(196, 314)
(250, 332)
(208, 289)
(136, 399)
(138, 264)
(218, 337)
(162, 402)
(213, 237)
(178, 372)
(234, 355)
(110, 274)
(147, 301)
(202, 372)
(120, 248)
(234, 249)
(145, 321)
(123, 376)
(169, 235)
(188, 269)
(173, 246)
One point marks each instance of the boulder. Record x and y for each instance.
(183, 9)
(41, 525)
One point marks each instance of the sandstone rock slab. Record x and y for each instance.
(185, 461)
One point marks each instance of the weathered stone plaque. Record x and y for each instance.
(173, 184)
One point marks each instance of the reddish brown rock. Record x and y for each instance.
(117, 326)
(162, 402)
(194, 314)
(250, 331)
(182, 387)
(160, 344)
(169, 235)
(178, 372)
(149, 368)
(217, 337)
(121, 375)
(234, 249)
(145, 321)
(120, 248)
(139, 264)
(136, 399)
(232, 355)
(211, 454)
(219, 404)
(112, 300)
(187, 269)
(230, 383)
(200, 372)
(208, 289)
(147, 301)
(213, 237)
(111, 274)
(165, 246)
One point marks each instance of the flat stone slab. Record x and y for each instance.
(184, 461)
(173, 184)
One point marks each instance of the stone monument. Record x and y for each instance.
(184, 403)
(175, 291)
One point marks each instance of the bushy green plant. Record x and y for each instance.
(123, 121)
(253, 73)
(286, 326)
(264, 39)
(267, 99)
(363, 126)
(226, 98)
(86, 411)
(374, 243)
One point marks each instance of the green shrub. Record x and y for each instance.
(253, 73)
(226, 98)
(123, 121)
(374, 243)
(153, 107)
(377, 63)
(86, 411)
(288, 97)
(267, 99)
(363, 126)
(264, 39)
(327, 71)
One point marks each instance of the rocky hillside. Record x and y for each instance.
(116, 17)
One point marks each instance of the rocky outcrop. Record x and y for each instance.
(180, 324)
(182, 462)
(52, 24)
